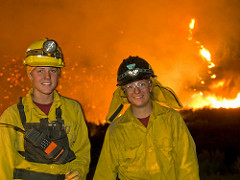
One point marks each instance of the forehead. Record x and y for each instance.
(45, 67)
(139, 81)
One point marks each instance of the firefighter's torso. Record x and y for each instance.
(46, 141)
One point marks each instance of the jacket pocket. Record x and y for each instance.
(131, 154)
(164, 149)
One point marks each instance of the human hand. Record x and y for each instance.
(73, 175)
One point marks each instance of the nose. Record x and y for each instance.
(47, 75)
(137, 90)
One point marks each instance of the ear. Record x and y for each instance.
(29, 71)
(151, 88)
(30, 76)
(59, 72)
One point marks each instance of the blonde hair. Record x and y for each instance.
(31, 68)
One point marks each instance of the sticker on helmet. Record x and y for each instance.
(131, 66)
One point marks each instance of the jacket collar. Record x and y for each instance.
(162, 94)
(28, 102)
(156, 111)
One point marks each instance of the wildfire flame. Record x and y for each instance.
(206, 99)
(191, 27)
(213, 101)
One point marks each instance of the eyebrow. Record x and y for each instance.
(45, 68)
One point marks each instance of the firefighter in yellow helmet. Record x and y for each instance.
(44, 136)
(149, 141)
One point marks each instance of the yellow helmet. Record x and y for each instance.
(44, 52)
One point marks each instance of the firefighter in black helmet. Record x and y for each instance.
(148, 141)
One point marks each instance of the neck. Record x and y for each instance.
(42, 99)
(142, 112)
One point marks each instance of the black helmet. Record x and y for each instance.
(133, 69)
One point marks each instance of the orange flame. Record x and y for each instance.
(213, 76)
(192, 23)
(206, 54)
(203, 51)
(210, 100)
(191, 27)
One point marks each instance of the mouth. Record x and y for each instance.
(138, 97)
(46, 83)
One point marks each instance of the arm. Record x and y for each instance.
(108, 162)
(7, 150)
(81, 147)
(187, 163)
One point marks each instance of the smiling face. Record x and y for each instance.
(44, 80)
(139, 93)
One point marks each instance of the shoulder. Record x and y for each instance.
(72, 110)
(113, 126)
(70, 102)
(160, 109)
(10, 115)
(119, 124)
(168, 115)
(11, 109)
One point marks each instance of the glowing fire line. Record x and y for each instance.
(199, 99)
(215, 102)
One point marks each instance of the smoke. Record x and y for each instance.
(96, 35)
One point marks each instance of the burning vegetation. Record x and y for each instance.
(209, 92)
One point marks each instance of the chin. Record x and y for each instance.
(139, 104)
(47, 92)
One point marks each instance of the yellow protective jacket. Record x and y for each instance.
(12, 141)
(164, 150)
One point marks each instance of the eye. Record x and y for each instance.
(40, 70)
(53, 70)
(141, 84)
(130, 87)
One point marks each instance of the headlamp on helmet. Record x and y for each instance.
(44, 52)
(50, 46)
(134, 73)
(49, 49)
